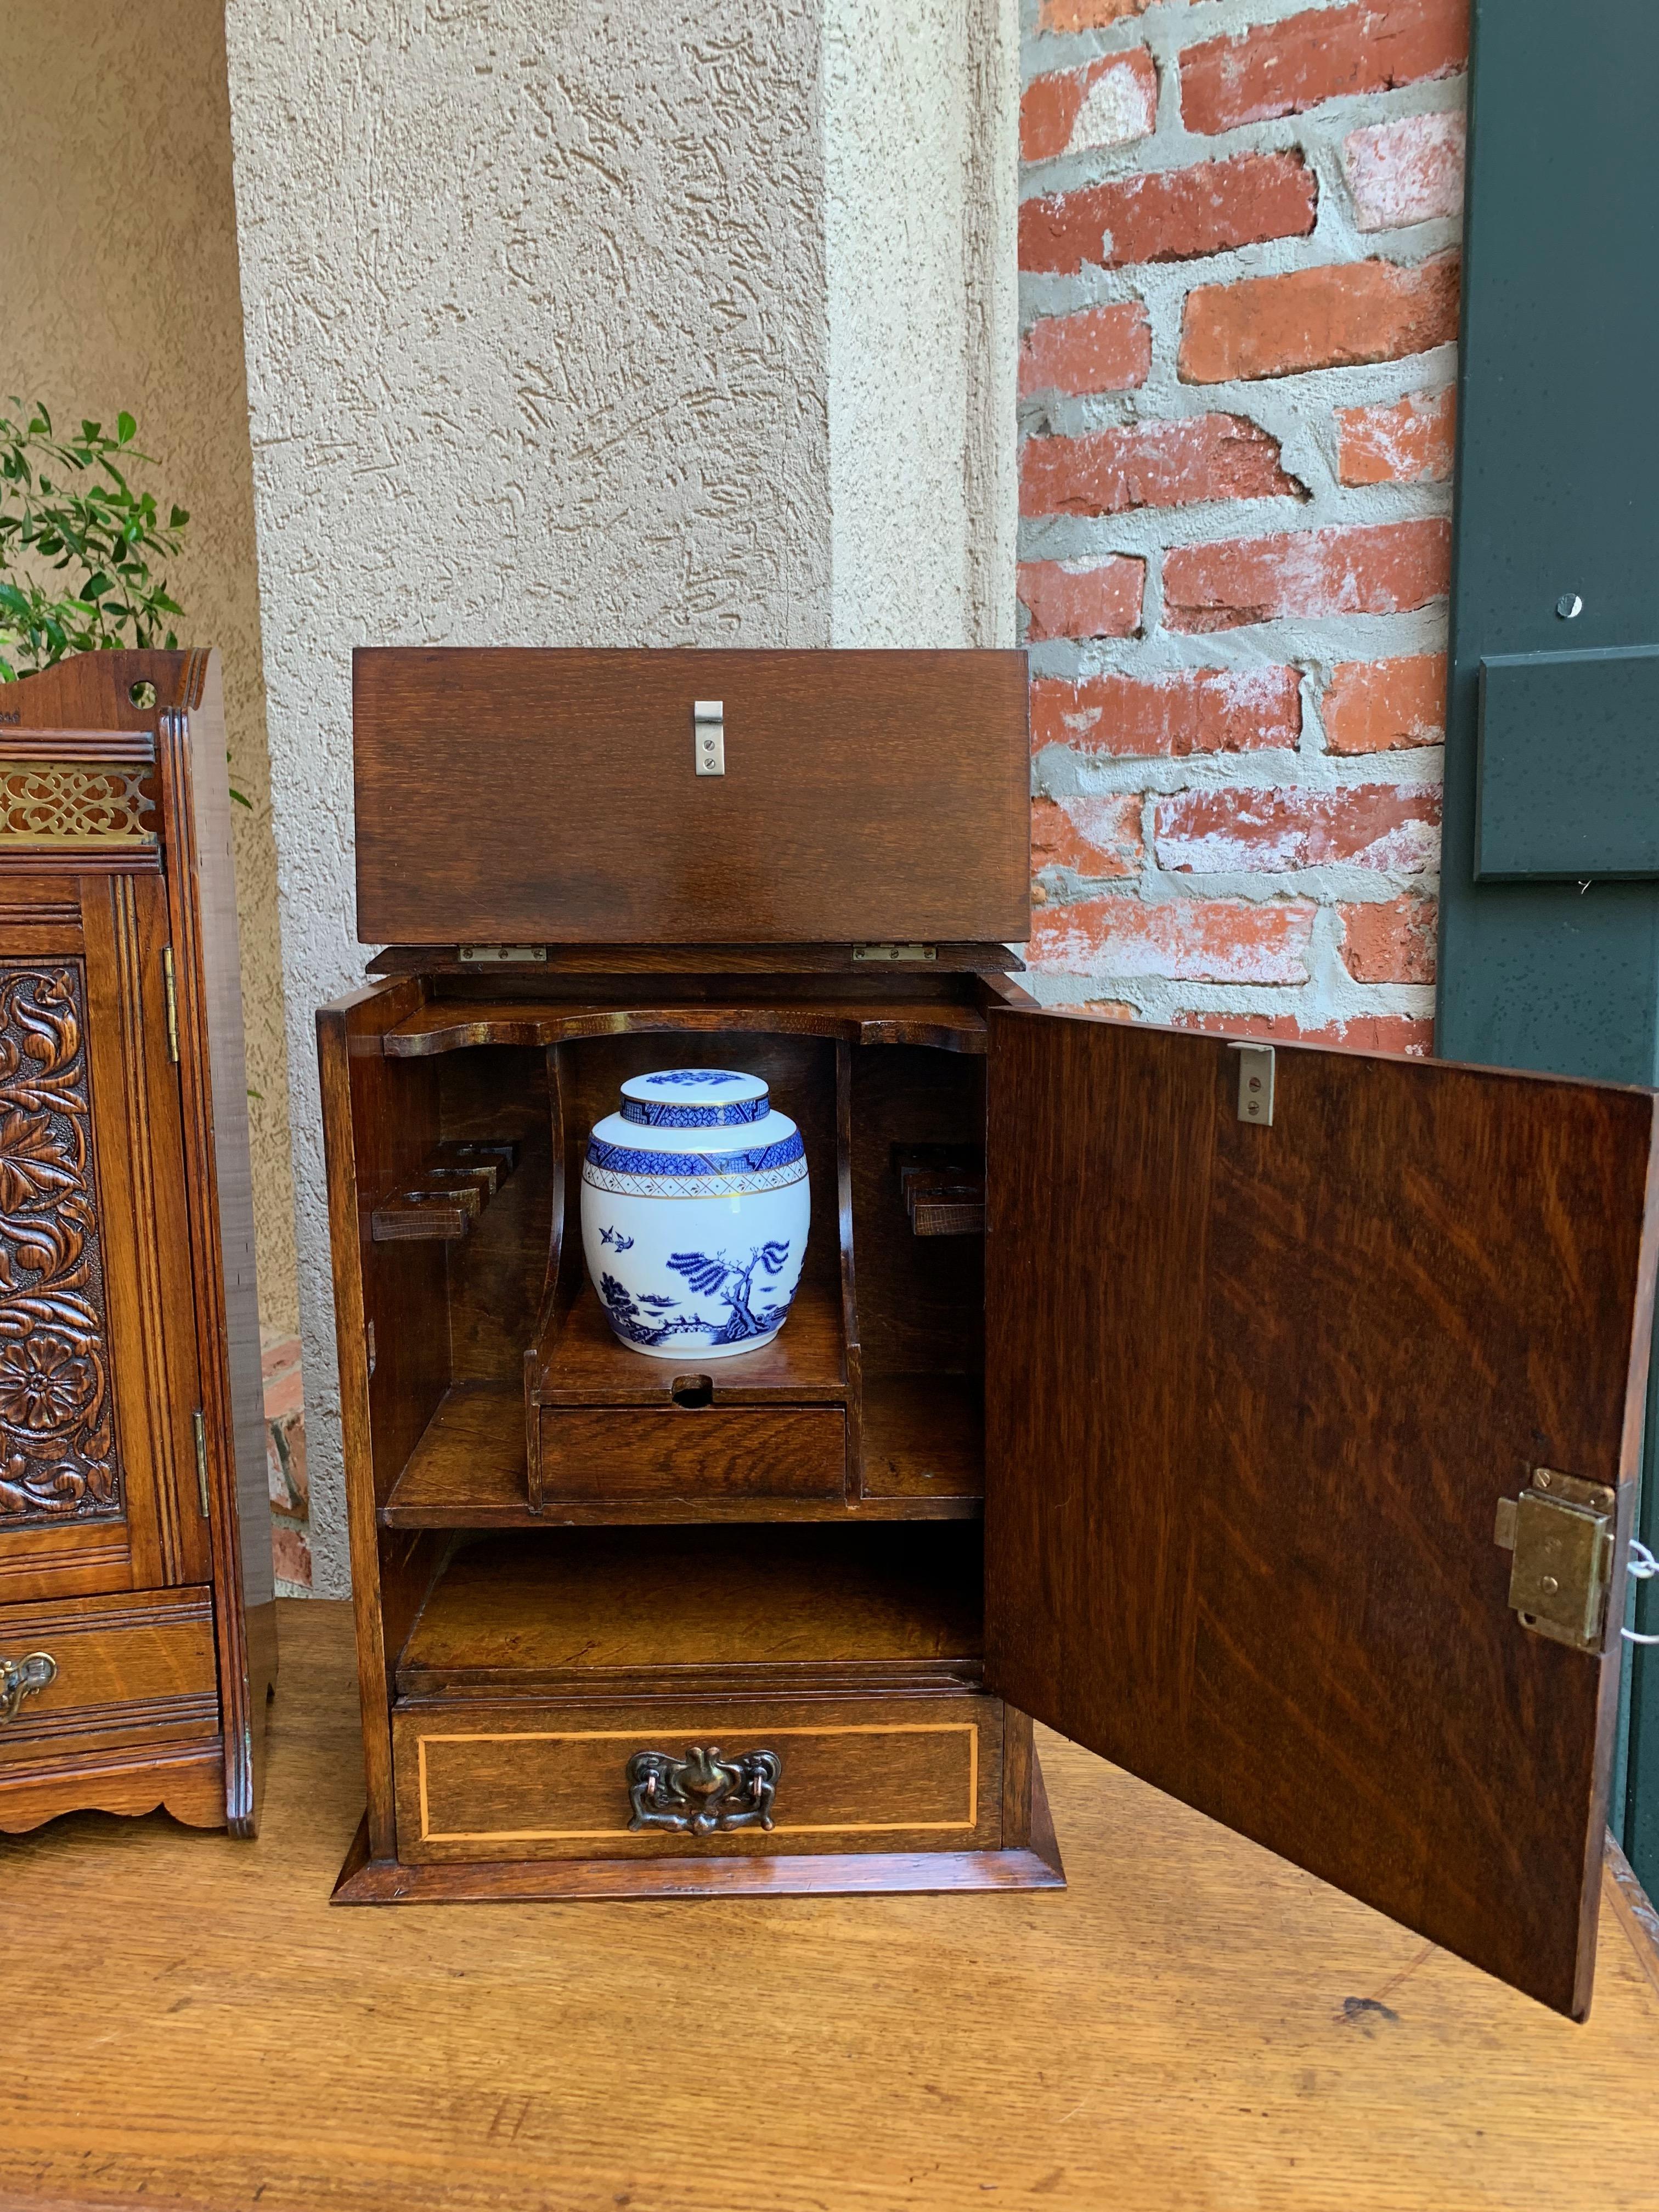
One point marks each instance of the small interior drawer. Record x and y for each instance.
(563, 1778)
(692, 1453)
(127, 1663)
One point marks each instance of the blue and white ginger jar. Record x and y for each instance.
(694, 1212)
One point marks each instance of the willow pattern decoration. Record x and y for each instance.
(57, 1457)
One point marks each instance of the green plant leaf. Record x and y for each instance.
(66, 502)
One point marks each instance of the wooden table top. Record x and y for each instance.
(1191, 2024)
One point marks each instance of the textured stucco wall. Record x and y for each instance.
(920, 166)
(118, 268)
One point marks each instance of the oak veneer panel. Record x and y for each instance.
(574, 1607)
(607, 836)
(529, 1780)
(168, 1279)
(391, 1334)
(672, 1453)
(138, 1664)
(924, 1436)
(921, 1299)
(219, 1186)
(497, 1273)
(1254, 1396)
(468, 1471)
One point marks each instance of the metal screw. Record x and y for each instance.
(1551, 1584)
(1568, 606)
(1542, 1478)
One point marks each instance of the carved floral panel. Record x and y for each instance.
(58, 1457)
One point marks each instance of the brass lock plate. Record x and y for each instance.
(1561, 1532)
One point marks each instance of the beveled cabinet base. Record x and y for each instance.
(363, 1880)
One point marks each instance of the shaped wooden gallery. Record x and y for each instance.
(695, 1213)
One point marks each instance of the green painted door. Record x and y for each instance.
(1549, 952)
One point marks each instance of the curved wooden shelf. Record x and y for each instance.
(452, 1024)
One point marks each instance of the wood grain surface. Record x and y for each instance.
(547, 1780)
(607, 835)
(134, 1669)
(1192, 2026)
(654, 961)
(708, 1609)
(453, 1024)
(584, 1363)
(1255, 1395)
(160, 1301)
(468, 1470)
(675, 1454)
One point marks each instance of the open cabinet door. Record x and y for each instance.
(1256, 1397)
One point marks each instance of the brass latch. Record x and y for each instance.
(1561, 1532)
(904, 953)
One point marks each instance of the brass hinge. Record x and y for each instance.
(172, 989)
(907, 952)
(200, 1427)
(491, 955)
(1561, 1532)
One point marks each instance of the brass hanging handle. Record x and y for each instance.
(703, 1793)
(24, 1678)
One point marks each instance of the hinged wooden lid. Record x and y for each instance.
(545, 795)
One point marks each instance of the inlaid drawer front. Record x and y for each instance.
(613, 1452)
(586, 1781)
(91, 1672)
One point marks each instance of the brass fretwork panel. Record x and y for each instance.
(65, 805)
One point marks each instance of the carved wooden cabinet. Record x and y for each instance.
(137, 1637)
(1265, 1420)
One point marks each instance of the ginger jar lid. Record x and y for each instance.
(695, 1098)
(707, 1119)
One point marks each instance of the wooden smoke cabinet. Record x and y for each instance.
(137, 1622)
(1264, 1418)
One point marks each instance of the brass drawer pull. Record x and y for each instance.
(703, 1792)
(22, 1678)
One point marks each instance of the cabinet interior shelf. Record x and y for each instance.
(444, 1025)
(923, 1457)
(805, 1364)
(587, 1610)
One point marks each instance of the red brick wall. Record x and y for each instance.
(1239, 269)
